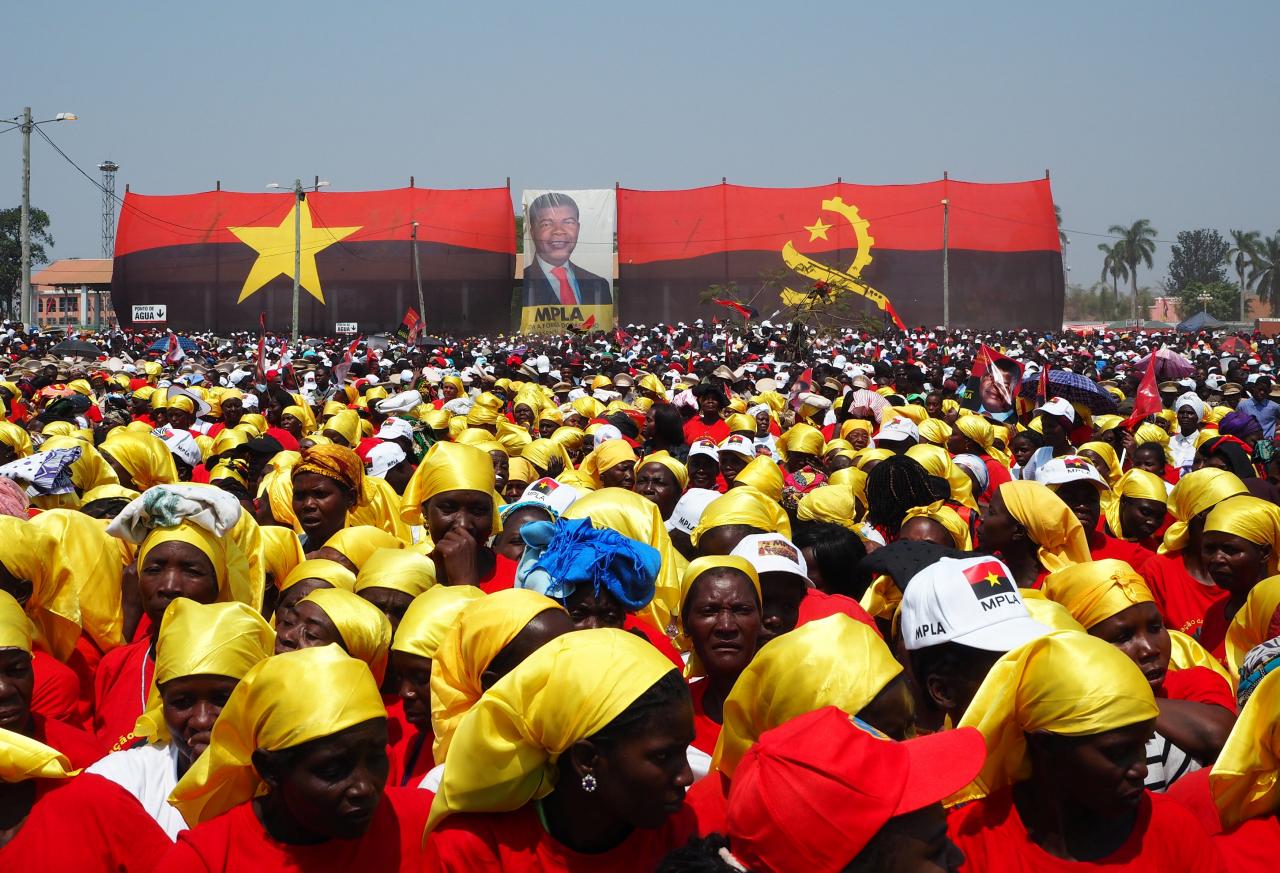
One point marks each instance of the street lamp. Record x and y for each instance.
(299, 195)
(26, 125)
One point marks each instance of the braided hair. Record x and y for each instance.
(895, 485)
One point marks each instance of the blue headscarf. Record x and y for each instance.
(560, 556)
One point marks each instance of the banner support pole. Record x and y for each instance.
(417, 277)
(946, 267)
(298, 196)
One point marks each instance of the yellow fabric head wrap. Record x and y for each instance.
(15, 627)
(829, 503)
(937, 462)
(639, 519)
(1138, 484)
(1251, 518)
(53, 608)
(449, 467)
(1050, 523)
(853, 424)
(397, 569)
(804, 439)
(218, 639)
(835, 661)
(541, 453)
(22, 758)
(1109, 457)
(512, 437)
(698, 567)
(1068, 683)
(365, 629)
(607, 455)
(663, 458)
(1096, 591)
(358, 543)
(1195, 493)
(430, 617)
(1243, 780)
(764, 475)
(192, 534)
(145, 457)
(15, 438)
(935, 431)
(948, 518)
(283, 701)
(507, 747)
(482, 630)
(854, 479)
(281, 551)
(436, 419)
(318, 568)
(345, 424)
(570, 438)
(744, 505)
(978, 429)
(475, 436)
(740, 422)
(87, 562)
(520, 470)
(338, 463)
(913, 411)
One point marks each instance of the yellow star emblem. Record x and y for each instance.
(275, 248)
(818, 230)
(993, 580)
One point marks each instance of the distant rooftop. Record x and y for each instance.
(75, 272)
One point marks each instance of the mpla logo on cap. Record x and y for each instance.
(778, 548)
(990, 585)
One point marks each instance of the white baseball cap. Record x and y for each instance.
(738, 445)
(604, 434)
(689, 509)
(1059, 407)
(773, 553)
(555, 496)
(182, 444)
(383, 457)
(395, 429)
(1068, 469)
(705, 448)
(971, 601)
(896, 430)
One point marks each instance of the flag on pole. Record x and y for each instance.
(747, 312)
(260, 367)
(589, 323)
(340, 371)
(1147, 402)
(410, 326)
(174, 353)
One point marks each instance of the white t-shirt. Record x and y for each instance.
(149, 773)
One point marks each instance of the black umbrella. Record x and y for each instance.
(76, 348)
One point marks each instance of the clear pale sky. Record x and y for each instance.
(1164, 111)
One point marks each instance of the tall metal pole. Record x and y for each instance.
(298, 196)
(24, 231)
(417, 277)
(946, 267)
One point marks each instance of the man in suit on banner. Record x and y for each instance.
(552, 279)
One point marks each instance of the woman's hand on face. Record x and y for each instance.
(455, 557)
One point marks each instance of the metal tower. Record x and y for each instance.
(108, 170)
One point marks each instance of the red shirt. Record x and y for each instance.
(514, 842)
(1251, 847)
(1199, 685)
(1165, 839)
(696, 429)
(86, 824)
(659, 640)
(706, 731)
(120, 692)
(1183, 600)
(236, 842)
(1102, 546)
(997, 475)
(57, 689)
(709, 800)
(81, 747)
(502, 577)
(818, 604)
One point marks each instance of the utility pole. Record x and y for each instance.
(299, 196)
(946, 267)
(417, 277)
(24, 231)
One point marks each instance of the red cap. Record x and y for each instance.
(813, 792)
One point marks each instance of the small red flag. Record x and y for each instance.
(260, 369)
(746, 312)
(589, 323)
(1147, 402)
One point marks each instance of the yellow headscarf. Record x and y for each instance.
(935, 431)
(1050, 523)
(87, 562)
(22, 758)
(1243, 780)
(835, 661)
(1193, 494)
(762, 473)
(697, 567)
(803, 438)
(948, 518)
(1153, 433)
(449, 467)
(430, 617)
(606, 456)
(978, 429)
(281, 551)
(1250, 518)
(338, 463)
(913, 411)
(345, 424)
(1096, 591)
(281, 702)
(937, 462)
(853, 424)
(1138, 484)
(53, 608)
(854, 479)
(15, 438)
(829, 503)
(236, 557)
(664, 458)
(380, 508)
(481, 631)
(571, 438)
(318, 568)
(146, 458)
(1068, 683)
(639, 519)
(1110, 458)
(520, 470)
(506, 749)
(542, 452)
(743, 505)
(365, 629)
(358, 543)
(218, 639)
(397, 569)
(15, 627)
(1252, 624)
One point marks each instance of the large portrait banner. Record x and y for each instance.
(568, 260)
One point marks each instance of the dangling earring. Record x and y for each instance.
(589, 783)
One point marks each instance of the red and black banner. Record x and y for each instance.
(882, 244)
(218, 259)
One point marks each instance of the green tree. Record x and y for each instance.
(519, 234)
(1243, 242)
(1198, 258)
(11, 252)
(1223, 301)
(1135, 247)
(1113, 268)
(1062, 234)
(1264, 271)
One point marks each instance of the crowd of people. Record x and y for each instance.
(687, 598)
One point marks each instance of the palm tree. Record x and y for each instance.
(1062, 234)
(1135, 246)
(1242, 245)
(1264, 271)
(1113, 268)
